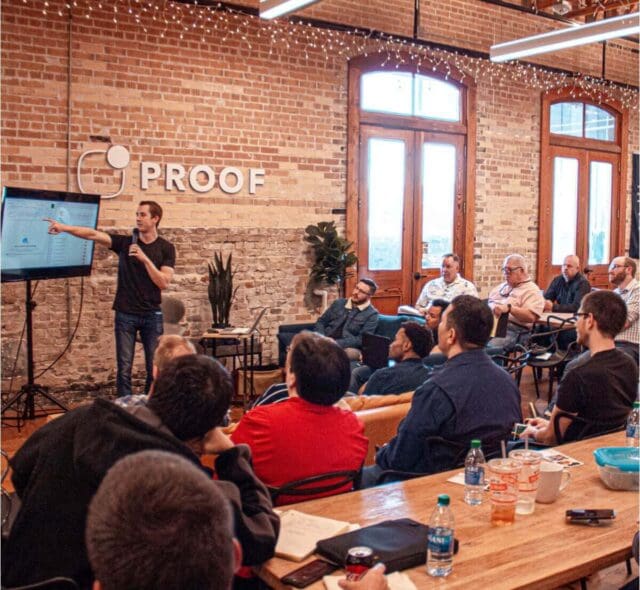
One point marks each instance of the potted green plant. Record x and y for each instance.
(333, 256)
(221, 291)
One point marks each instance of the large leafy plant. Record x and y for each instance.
(333, 256)
(221, 291)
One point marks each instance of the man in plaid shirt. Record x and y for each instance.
(622, 272)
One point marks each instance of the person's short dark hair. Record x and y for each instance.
(472, 320)
(154, 210)
(373, 287)
(455, 257)
(421, 339)
(321, 368)
(191, 395)
(631, 263)
(441, 303)
(157, 521)
(608, 310)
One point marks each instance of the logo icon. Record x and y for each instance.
(117, 157)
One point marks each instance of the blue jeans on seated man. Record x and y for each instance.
(127, 325)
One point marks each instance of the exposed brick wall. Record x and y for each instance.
(221, 102)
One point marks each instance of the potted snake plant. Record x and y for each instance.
(221, 291)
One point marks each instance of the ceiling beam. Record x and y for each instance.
(604, 6)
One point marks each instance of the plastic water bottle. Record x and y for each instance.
(440, 543)
(474, 474)
(633, 426)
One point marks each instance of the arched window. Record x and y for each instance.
(583, 153)
(408, 179)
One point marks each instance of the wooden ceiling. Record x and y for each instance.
(583, 11)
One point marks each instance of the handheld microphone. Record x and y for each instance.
(134, 236)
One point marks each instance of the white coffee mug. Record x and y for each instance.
(551, 482)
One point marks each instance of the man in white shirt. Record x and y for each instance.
(622, 272)
(448, 286)
(518, 296)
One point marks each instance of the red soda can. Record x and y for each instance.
(359, 560)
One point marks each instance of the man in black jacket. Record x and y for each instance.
(567, 290)
(59, 468)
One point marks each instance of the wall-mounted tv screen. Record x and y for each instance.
(29, 252)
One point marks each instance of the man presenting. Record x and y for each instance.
(145, 267)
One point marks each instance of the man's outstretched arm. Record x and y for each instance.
(86, 233)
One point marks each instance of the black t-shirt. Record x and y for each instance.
(602, 389)
(136, 292)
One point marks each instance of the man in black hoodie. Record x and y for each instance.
(59, 468)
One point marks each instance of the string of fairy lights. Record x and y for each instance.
(195, 21)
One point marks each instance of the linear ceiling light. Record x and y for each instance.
(275, 8)
(609, 28)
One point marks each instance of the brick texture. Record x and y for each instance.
(221, 102)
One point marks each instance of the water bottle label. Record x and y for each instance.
(439, 543)
(632, 430)
(474, 476)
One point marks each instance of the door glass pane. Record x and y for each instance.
(436, 99)
(565, 208)
(566, 118)
(599, 211)
(599, 124)
(385, 177)
(438, 200)
(387, 92)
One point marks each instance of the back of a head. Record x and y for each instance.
(472, 320)
(171, 346)
(421, 339)
(157, 521)
(321, 368)
(191, 395)
(608, 310)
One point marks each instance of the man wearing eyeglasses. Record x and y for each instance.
(347, 319)
(518, 296)
(622, 272)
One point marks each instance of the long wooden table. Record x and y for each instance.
(538, 551)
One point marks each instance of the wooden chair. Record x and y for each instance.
(334, 481)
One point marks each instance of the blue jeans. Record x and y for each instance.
(127, 325)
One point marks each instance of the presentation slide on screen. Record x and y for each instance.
(26, 242)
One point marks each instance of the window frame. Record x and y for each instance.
(465, 127)
(550, 143)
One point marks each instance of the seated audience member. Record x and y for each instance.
(59, 468)
(306, 435)
(469, 397)
(449, 285)
(434, 314)
(518, 296)
(412, 343)
(169, 347)
(599, 386)
(622, 272)
(274, 394)
(347, 319)
(157, 521)
(566, 291)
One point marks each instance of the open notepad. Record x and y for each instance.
(299, 533)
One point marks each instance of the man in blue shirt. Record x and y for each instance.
(470, 397)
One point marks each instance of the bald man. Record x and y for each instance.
(566, 291)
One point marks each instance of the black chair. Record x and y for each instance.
(317, 484)
(589, 428)
(435, 446)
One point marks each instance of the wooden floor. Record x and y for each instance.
(608, 579)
